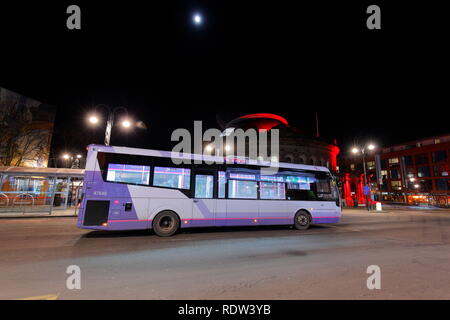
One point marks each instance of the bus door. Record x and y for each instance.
(327, 194)
(242, 202)
(273, 208)
(91, 165)
(203, 201)
(221, 203)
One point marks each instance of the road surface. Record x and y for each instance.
(412, 249)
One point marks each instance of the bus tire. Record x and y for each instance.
(166, 223)
(302, 220)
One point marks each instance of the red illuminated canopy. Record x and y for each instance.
(265, 116)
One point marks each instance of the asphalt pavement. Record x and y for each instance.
(411, 247)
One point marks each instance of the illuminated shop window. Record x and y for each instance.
(396, 185)
(393, 162)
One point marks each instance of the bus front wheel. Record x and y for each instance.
(166, 223)
(302, 220)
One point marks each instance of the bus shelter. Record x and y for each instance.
(25, 189)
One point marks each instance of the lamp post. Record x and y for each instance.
(126, 123)
(356, 150)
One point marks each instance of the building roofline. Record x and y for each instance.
(417, 140)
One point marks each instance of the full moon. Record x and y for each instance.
(197, 19)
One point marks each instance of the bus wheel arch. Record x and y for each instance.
(302, 219)
(166, 223)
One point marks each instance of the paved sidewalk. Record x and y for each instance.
(55, 213)
(393, 208)
(360, 210)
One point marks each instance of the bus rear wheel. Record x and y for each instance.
(166, 223)
(302, 220)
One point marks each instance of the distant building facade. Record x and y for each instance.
(303, 149)
(294, 146)
(415, 172)
(26, 127)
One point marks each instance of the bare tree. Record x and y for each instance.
(22, 140)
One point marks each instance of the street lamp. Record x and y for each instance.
(356, 150)
(126, 123)
(94, 119)
(75, 161)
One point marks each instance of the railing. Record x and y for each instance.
(28, 201)
(4, 196)
(21, 199)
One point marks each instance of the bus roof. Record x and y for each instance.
(192, 156)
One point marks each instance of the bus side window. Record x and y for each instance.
(177, 178)
(126, 173)
(242, 189)
(294, 192)
(272, 190)
(301, 187)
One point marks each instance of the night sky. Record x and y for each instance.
(389, 85)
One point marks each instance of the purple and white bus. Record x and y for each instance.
(128, 189)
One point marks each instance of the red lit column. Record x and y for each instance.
(347, 190)
(360, 189)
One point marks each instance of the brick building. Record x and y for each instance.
(414, 172)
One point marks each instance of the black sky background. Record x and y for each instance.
(289, 58)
